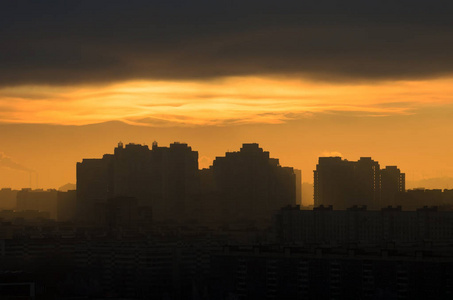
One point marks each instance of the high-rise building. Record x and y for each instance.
(298, 174)
(163, 178)
(333, 180)
(392, 183)
(8, 199)
(180, 183)
(249, 186)
(66, 205)
(38, 200)
(243, 187)
(94, 185)
(344, 183)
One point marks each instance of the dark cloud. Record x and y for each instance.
(67, 42)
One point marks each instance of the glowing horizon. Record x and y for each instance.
(402, 122)
(229, 101)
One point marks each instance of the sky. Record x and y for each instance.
(302, 78)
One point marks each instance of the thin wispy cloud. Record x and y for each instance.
(236, 100)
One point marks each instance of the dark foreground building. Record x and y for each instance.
(89, 265)
(359, 226)
(273, 272)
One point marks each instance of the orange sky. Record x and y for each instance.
(301, 78)
(404, 123)
(235, 100)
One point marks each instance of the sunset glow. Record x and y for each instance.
(235, 100)
(226, 149)
(301, 78)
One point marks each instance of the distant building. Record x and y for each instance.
(38, 200)
(118, 212)
(8, 198)
(66, 206)
(392, 183)
(163, 178)
(22, 217)
(248, 186)
(298, 174)
(344, 183)
(357, 225)
(94, 185)
(415, 198)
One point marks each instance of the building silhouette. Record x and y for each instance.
(298, 174)
(359, 226)
(162, 178)
(245, 186)
(260, 250)
(342, 183)
(8, 198)
(416, 198)
(66, 205)
(94, 185)
(277, 272)
(392, 183)
(38, 200)
(248, 186)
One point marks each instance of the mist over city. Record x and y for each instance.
(226, 149)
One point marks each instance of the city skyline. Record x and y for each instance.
(307, 193)
(30, 176)
(137, 185)
(299, 78)
(238, 149)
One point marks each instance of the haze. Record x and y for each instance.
(302, 80)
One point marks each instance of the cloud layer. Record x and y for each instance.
(89, 42)
(230, 101)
